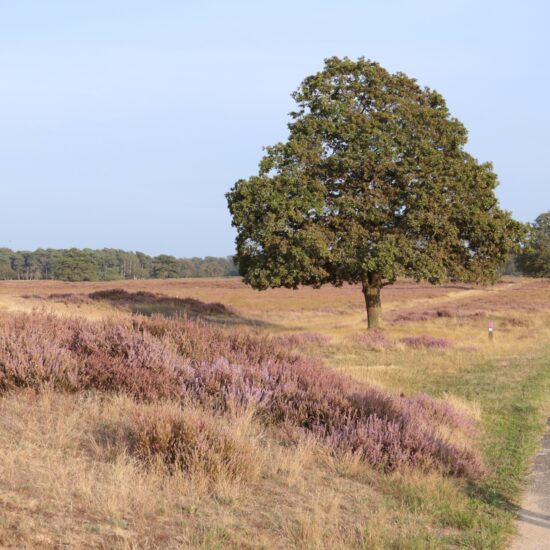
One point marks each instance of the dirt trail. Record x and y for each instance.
(534, 515)
(457, 296)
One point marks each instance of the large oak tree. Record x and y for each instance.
(372, 184)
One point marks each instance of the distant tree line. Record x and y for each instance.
(534, 259)
(107, 264)
(111, 264)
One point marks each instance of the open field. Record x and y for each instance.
(96, 461)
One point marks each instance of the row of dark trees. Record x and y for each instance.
(106, 265)
(534, 260)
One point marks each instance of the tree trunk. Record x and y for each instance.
(372, 284)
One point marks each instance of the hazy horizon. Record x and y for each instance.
(123, 125)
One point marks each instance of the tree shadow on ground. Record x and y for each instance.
(149, 303)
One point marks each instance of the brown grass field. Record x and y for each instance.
(83, 467)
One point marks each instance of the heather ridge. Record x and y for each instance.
(144, 302)
(121, 296)
(192, 363)
(302, 339)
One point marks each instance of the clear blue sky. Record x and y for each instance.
(123, 123)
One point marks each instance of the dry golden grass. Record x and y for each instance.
(72, 474)
(231, 291)
(69, 479)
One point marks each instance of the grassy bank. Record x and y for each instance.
(514, 400)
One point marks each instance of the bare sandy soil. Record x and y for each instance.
(534, 514)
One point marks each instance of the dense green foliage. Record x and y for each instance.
(535, 260)
(510, 267)
(106, 265)
(75, 265)
(372, 184)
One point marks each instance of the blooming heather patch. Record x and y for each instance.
(153, 358)
(503, 298)
(421, 315)
(63, 297)
(301, 339)
(442, 412)
(425, 342)
(71, 298)
(375, 340)
(34, 353)
(515, 322)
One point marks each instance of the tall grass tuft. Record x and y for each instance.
(425, 342)
(191, 440)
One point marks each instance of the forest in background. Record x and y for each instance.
(107, 264)
(112, 264)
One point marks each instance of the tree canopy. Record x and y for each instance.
(372, 184)
(76, 265)
(535, 259)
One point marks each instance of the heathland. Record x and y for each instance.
(201, 413)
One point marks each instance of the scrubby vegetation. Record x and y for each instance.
(189, 362)
(425, 342)
(271, 421)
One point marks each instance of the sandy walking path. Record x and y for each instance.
(534, 514)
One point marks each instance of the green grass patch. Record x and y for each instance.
(515, 400)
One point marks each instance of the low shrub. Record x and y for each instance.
(425, 342)
(191, 440)
(71, 298)
(420, 315)
(301, 339)
(374, 340)
(34, 353)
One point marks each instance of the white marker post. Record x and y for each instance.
(490, 326)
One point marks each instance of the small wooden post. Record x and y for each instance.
(491, 327)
